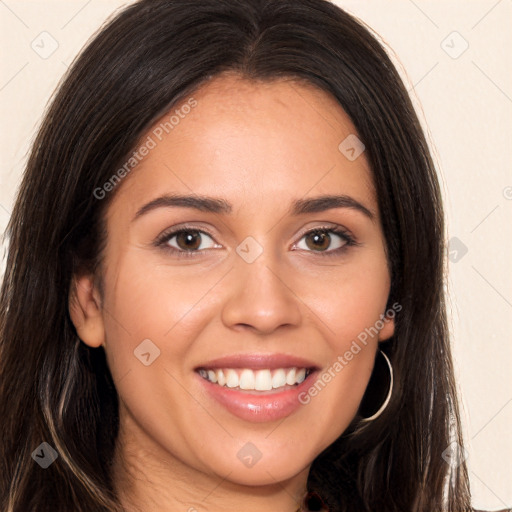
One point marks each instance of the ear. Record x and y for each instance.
(85, 310)
(389, 328)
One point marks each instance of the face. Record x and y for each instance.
(245, 286)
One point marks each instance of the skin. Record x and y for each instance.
(258, 146)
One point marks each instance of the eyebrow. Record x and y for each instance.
(221, 206)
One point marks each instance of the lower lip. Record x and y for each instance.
(257, 407)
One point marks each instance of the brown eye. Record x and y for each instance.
(187, 240)
(322, 240)
(318, 240)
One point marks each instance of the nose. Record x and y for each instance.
(261, 297)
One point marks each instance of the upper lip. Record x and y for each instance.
(258, 362)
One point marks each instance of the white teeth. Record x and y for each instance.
(290, 377)
(259, 380)
(247, 379)
(221, 380)
(279, 378)
(301, 375)
(231, 379)
(263, 380)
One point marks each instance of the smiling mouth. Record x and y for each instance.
(246, 379)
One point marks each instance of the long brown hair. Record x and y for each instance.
(55, 389)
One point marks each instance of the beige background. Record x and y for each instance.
(466, 98)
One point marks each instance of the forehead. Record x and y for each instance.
(256, 141)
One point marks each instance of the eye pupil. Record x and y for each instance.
(190, 239)
(318, 237)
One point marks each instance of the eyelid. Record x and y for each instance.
(325, 226)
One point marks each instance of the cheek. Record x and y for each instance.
(150, 328)
(140, 313)
(348, 313)
(153, 319)
(349, 302)
(149, 301)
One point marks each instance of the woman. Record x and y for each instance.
(300, 359)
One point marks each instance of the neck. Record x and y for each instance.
(148, 478)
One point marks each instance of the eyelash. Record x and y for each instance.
(163, 239)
